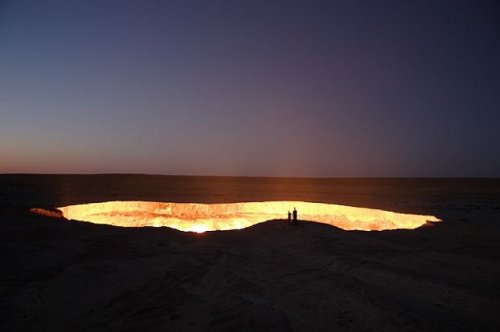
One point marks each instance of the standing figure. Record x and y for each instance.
(289, 218)
(294, 216)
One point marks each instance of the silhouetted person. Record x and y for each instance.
(294, 216)
(289, 218)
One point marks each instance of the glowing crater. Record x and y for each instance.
(194, 217)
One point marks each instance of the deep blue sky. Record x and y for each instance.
(286, 88)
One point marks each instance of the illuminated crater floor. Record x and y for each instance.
(194, 217)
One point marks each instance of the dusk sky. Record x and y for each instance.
(272, 88)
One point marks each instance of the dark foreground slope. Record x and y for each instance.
(58, 275)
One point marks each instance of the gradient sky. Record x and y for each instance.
(277, 88)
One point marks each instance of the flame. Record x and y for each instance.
(199, 218)
(197, 228)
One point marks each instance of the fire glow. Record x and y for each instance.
(195, 217)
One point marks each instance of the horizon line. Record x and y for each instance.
(251, 176)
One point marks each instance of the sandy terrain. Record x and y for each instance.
(71, 276)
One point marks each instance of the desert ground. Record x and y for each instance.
(61, 275)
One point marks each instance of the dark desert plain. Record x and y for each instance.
(62, 275)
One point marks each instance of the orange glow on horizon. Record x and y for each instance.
(199, 218)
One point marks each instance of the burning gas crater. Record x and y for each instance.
(193, 217)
